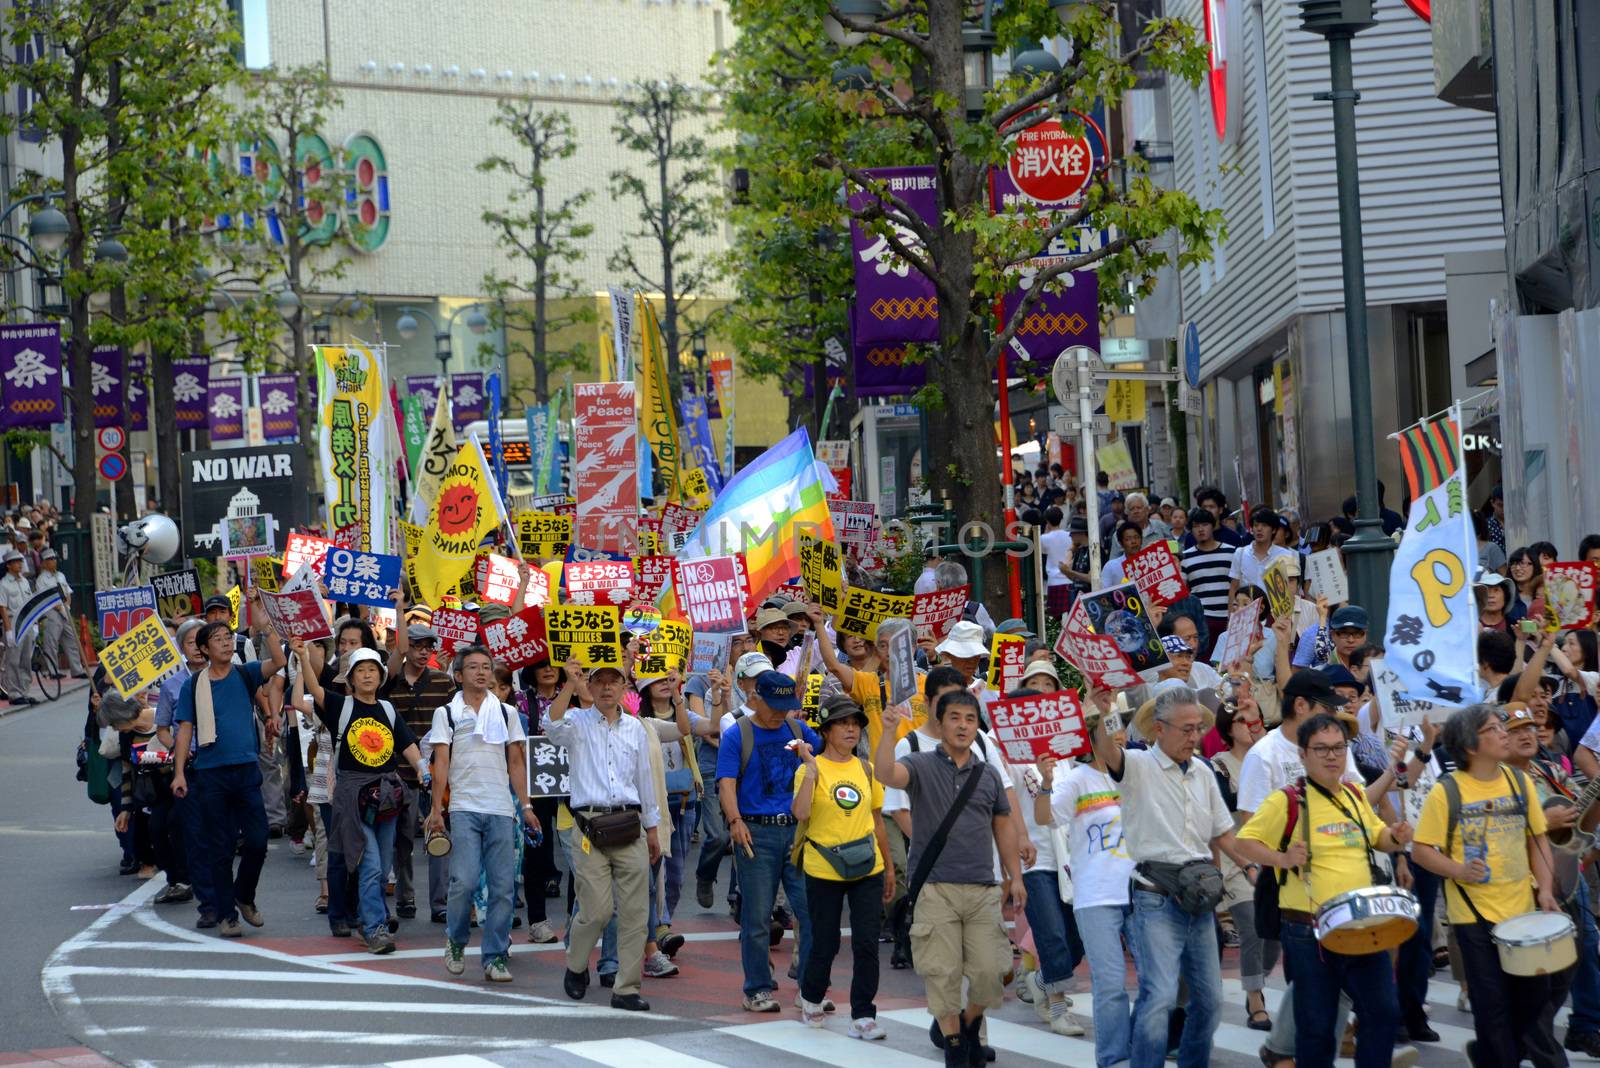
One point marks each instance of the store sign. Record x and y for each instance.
(350, 184)
(1224, 42)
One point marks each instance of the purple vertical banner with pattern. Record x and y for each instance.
(895, 301)
(279, 396)
(225, 408)
(30, 375)
(105, 383)
(883, 368)
(191, 388)
(466, 398)
(426, 389)
(138, 392)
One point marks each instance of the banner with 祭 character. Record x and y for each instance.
(354, 445)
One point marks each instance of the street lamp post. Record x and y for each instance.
(477, 322)
(1369, 552)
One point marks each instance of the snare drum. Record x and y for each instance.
(438, 845)
(1536, 943)
(1368, 920)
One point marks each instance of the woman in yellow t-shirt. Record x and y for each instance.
(842, 842)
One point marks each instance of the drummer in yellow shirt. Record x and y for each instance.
(1343, 833)
(1495, 862)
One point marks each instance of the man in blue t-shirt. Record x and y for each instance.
(227, 778)
(756, 794)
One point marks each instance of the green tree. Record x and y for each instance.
(541, 237)
(897, 88)
(673, 194)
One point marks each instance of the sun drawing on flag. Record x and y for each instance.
(371, 742)
(458, 508)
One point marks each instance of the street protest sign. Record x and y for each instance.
(935, 613)
(1275, 580)
(268, 480)
(357, 577)
(497, 579)
(1048, 724)
(1117, 462)
(712, 592)
(821, 572)
(902, 681)
(651, 574)
(248, 535)
(518, 640)
(543, 535)
(548, 771)
(235, 599)
(177, 593)
(811, 700)
(852, 521)
(299, 614)
(265, 571)
(1008, 654)
(709, 652)
(641, 618)
(863, 611)
(664, 651)
(1119, 613)
(304, 578)
(304, 549)
(1096, 656)
(141, 658)
(1325, 577)
(1397, 707)
(1235, 644)
(1569, 596)
(679, 518)
(121, 610)
(1156, 571)
(605, 463)
(455, 629)
(600, 582)
(590, 635)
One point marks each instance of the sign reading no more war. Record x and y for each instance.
(712, 593)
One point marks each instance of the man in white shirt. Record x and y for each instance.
(478, 746)
(56, 631)
(1250, 562)
(1056, 545)
(608, 757)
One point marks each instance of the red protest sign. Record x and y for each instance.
(1097, 656)
(933, 614)
(296, 615)
(1049, 724)
(1569, 595)
(1157, 573)
(599, 582)
(678, 518)
(651, 573)
(304, 549)
(518, 640)
(497, 578)
(712, 592)
(455, 629)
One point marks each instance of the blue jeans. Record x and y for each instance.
(192, 818)
(482, 843)
(375, 860)
(1319, 978)
(230, 800)
(759, 877)
(683, 823)
(1585, 994)
(1163, 934)
(607, 964)
(1055, 934)
(1102, 928)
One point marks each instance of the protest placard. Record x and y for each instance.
(1119, 613)
(559, 503)
(590, 635)
(412, 535)
(709, 652)
(902, 643)
(122, 610)
(600, 582)
(265, 572)
(248, 535)
(518, 640)
(304, 578)
(235, 598)
(1008, 653)
(497, 580)
(1397, 708)
(605, 468)
(177, 593)
(791, 591)
(641, 618)
(1096, 656)
(712, 592)
(304, 549)
(863, 610)
(1275, 580)
(1325, 577)
(696, 487)
(356, 577)
(650, 576)
(548, 771)
(1158, 574)
(650, 541)
(679, 519)
(935, 613)
(1569, 596)
(852, 521)
(141, 658)
(455, 629)
(664, 651)
(1117, 462)
(822, 572)
(811, 699)
(1235, 644)
(299, 614)
(1048, 724)
(543, 535)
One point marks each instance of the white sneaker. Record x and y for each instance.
(657, 966)
(811, 1014)
(867, 1030)
(1025, 989)
(1062, 1022)
(542, 933)
(825, 1005)
(1463, 1003)
(1039, 1000)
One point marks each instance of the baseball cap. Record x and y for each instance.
(592, 672)
(216, 601)
(48, 554)
(1175, 646)
(1314, 687)
(752, 665)
(1350, 617)
(1339, 675)
(418, 632)
(1518, 715)
(777, 690)
(1291, 566)
(768, 616)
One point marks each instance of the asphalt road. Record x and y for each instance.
(93, 964)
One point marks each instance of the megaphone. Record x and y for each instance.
(152, 538)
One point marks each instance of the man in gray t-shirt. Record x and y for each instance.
(957, 930)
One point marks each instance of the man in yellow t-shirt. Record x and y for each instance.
(1496, 862)
(858, 673)
(840, 805)
(1328, 851)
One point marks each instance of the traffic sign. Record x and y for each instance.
(1067, 424)
(111, 438)
(1191, 354)
(112, 466)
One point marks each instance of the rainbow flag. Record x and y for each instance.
(761, 512)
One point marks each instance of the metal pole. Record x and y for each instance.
(1369, 552)
(1091, 496)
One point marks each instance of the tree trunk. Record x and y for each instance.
(164, 426)
(304, 366)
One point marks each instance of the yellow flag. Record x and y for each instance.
(655, 404)
(608, 357)
(438, 450)
(1125, 400)
(465, 511)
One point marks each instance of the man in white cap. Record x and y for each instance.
(962, 649)
(608, 755)
(15, 590)
(60, 641)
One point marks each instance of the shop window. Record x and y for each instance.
(254, 49)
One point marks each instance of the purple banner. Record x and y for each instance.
(138, 393)
(895, 302)
(225, 408)
(191, 380)
(882, 369)
(30, 375)
(279, 394)
(466, 399)
(105, 382)
(426, 388)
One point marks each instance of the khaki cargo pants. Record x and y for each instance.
(958, 932)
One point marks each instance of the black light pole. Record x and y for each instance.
(1369, 552)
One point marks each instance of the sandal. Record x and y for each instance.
(1259, 1019)
(322, 902)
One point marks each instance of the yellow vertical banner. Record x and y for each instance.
(351, 391)
(655, 403)
(1125, 401)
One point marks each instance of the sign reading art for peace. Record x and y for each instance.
(141, 658)
(600, 582)
(590, 635)
(864, 610)
(821, 571)
(297, 615)
(666, 650)
(177, 593)
(356, 577)
(937, 612)
(1046, 725)
(712, 592)
(455, 629)
(518, 640)
(121, 610)
(1157, 573)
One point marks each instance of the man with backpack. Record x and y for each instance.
(1321, 833)
(1483, 831)
(756, 764)
(478, 746)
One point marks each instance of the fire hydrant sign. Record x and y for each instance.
(1046, 725)
(518, 640)
(1049, 164)
(1157, 573)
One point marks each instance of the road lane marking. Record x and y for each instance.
(828, 1047)
(280, 1036)
(631, 1053)
(421, 1008)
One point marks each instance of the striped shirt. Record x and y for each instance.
(1206, 572)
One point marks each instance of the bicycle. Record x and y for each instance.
(45, 673)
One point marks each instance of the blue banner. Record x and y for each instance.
(355, 577)
(497, 448)
(1432, 633)
(697, 431)
(538, 417)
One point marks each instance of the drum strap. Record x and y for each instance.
(1378, 877)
